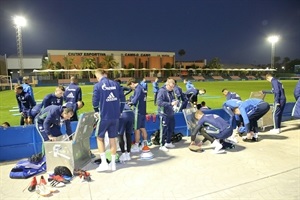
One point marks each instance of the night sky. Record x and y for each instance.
(235, 31)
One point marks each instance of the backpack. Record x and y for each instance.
(25, 168)
(156, 137)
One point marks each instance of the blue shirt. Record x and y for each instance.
(28, 89)
(233, 95)
(51, 99)
(155, 87)
(164, 100)
(51, 116)
(25, 101)
(139, 100)
(108, 99)
(189, 85)
(73, 93)
(277, 90)
(144, 85)
(247, 108)
(297, 91)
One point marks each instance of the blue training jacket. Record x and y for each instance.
(139, 100)
(155, 87)
(51, 99)
(215, 123)
(51, 116)
(25, 102)
(247, 108)
(28, 89)
(164, 100)
(73, 93)
(108, 99)
(277, 90)
(233, 95)
(297, 91)
(189, 85)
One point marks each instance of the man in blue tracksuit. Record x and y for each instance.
(251, 110)
(165, 102)
(144, 85)
(188, 84)
(230, 95)
(181, 97)
(27, 87)
(215, 126)
(228, 106)
(126, 126)
(279, 102)
(25, 103)
(35, 111)
(155, 89)
(107, 101)
(73, 92)
(55, 98)
(48, 122)
(75, 107)
(296, 109)
(192, 95)
(138, 100)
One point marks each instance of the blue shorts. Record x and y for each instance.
(140, 122)
(111, 126)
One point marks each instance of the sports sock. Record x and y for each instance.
(103, 158)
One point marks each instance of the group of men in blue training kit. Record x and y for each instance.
(116, 116)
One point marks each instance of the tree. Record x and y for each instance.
(88, 63)
(214, 63)
(68, 64)
(181, 52)
(109, 62)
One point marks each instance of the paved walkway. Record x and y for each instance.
(268, 169)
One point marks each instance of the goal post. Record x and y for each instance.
(5, 82)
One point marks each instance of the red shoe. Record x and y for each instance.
(32, 185)
(58, 179)
(43, 181)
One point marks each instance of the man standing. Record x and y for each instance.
(107, 101)
(73, 92)
(139, 101)
(27, 87)
(165, 102)
(296, 109)
(25, 103)
(155, 89)
(279, 102)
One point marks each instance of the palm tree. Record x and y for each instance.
(48, 64)
(110, 63)
(68, 64)
(215, 63)
(89, 63)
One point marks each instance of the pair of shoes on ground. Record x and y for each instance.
(166, 147)
(275, 131)
(86, 176)
(106, 167)
(42, 188)
(253, 137)
(125, 157)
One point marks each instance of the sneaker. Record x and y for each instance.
(112, 166)
(102, 167)
(218, 147)
(32, 185)
(275, 131)
(135, 148)
(123, 157)
(43, 181)
(232, 139)
(127, 155)
(169, 145)
(56, 184)
(215, 143)
(42, 190)
(58, 178)
(163, 148)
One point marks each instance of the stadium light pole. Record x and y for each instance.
(19, 22)
(273, 39)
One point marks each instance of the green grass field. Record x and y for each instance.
(213, 98)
